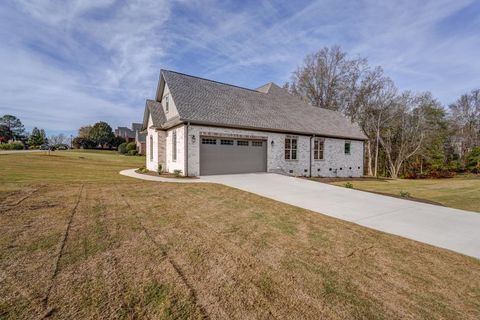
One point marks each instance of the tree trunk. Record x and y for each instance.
(376, 151)
(369, 154)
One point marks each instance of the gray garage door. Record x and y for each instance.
(225, 155)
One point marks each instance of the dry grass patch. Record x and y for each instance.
(178, 251)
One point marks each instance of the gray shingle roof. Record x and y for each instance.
(158, 116)
(270, 108)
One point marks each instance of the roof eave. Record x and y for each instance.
(212, 124)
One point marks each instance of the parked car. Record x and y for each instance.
(44, 147)
(62, 146)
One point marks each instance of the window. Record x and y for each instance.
(151, 148)
(166, 98)
(257, 143)
(318, 146)
(209, 141)
(242, 143)
(174, 146)
(347, 147)
(290, 148)
(226, 142)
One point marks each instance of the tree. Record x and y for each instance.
(404, 134)
(83, 143)
(328, 79)
(5, 134)
(102, 134)
(117, 141)
(84, 132)
(14, 125)
(58, 139)
(37, 137)
(465, 120)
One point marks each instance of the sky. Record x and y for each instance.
(64, 64)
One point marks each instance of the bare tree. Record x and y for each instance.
(57, 139)
(465, 119)
(403, 135)
(369, 109)
(328, 79)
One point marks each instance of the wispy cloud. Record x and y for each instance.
(64, 64)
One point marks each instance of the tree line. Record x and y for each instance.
(14, 136)
(99, 135)
(409, 134)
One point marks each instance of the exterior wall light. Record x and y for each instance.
(193, 138)
(272, 143)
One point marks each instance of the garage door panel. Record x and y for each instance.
(224, 159)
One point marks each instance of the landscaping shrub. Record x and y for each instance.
(132, 152)
(131, 146)
(177, 173)
(348, 185)
(143, 170)
(11, 146)
(404, 194)
(160, 169)
(122, 148)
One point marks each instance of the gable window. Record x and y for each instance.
(318, 147)
(166, 98)
(151, 148)
(347, 147)
(290, 148)
(174, 146)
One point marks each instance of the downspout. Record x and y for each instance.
(310, 159)
(186, 149)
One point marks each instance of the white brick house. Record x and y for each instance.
(204, 127)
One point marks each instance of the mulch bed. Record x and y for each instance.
(164, 175)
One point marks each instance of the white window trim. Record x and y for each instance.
(166, 100)
(319, 141)
(290, 150)
(151, 148)
(349, 148)
(174, 146)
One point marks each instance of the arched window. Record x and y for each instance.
(151, 148)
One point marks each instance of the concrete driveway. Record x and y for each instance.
(453, 229)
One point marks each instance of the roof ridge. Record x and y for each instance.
(210, 80)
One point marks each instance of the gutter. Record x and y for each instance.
(310, 159)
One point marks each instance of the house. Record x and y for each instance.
(134, 134)
(205, 127)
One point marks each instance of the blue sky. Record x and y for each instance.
(64, 64)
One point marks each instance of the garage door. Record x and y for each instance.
(225, 155)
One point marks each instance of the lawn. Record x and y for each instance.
(80, 241)
(461, 192)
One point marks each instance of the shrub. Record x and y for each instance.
(16, 145)
(177, 173)
(132, 153)
(473, 160)
(143, 170)
(160, 169)
(348, 185)
(122, 148)
(404, 194)
(131, 146)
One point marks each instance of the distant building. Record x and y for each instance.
(133, 134)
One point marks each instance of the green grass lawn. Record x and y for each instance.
(79, 241)
(462, 192)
